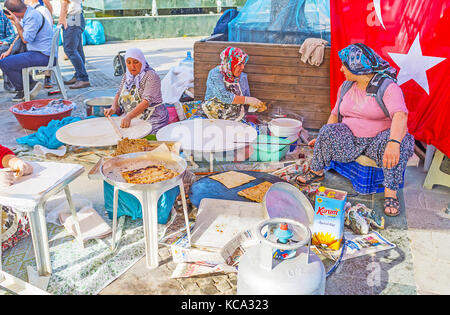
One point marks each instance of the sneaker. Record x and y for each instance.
(35, 87)
(71, 81)
(9, 87)
(20, 97)
(80, 85)
(48, 83)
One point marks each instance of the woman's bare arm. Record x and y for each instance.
(399, 126)
(332, 119)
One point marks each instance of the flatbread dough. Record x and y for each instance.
(149, 175)
(256, 193)
(232, 179)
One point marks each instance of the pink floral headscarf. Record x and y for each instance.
(231, 57)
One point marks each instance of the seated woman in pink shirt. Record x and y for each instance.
(358, 124)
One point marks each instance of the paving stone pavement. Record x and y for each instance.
(421, 233)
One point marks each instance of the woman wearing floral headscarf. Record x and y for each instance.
(359, 124)
(227, 90)
(139, 94)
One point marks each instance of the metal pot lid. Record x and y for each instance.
(99, 101)
(284, 200)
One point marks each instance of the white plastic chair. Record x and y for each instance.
(52, 66)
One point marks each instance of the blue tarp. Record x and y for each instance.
(46, 136)
(281, 21)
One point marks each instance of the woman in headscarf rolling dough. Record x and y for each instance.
(227, 91)
(139, 94)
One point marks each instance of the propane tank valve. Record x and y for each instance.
(283, 233)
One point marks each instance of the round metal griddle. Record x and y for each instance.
(111, 170)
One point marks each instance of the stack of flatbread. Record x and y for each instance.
(149, 175)
(126, 145)
(234, 179)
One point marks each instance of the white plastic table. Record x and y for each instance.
(30, 193)
(209, 139)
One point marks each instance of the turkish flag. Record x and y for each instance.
(414, 37)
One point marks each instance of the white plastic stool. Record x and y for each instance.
(149, 202)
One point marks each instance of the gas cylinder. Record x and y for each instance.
(281, 265)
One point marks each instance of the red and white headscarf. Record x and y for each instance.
(231, 57)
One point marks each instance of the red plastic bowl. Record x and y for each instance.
(32, 121)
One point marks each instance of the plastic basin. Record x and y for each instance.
(264, 152)
(34, 121)
(285, 127)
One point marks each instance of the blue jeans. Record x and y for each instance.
(12, 65)
(73, 45)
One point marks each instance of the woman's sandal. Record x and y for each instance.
(391, 202)
(310, 177)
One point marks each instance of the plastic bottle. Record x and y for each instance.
(188, 61)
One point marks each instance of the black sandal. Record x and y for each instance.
(310, 177)
(391, 202)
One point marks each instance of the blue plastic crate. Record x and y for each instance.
(365, 179)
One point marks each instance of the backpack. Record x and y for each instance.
(222, 23)
(119, 64)
(379, 97)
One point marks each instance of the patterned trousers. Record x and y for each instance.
(336, 142)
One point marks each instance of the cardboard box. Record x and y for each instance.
(329, 217)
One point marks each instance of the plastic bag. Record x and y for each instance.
(55, 206)
(94, 32)
(224, 20)
(130, 206)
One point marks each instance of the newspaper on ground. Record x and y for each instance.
(194, 261)
(356, 245)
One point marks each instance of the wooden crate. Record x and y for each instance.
(275, 74)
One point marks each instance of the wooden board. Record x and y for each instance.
(276, 75)
(98, 132)
(218, 221)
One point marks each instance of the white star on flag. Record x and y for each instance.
(414, 65)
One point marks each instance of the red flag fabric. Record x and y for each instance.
(414, 37)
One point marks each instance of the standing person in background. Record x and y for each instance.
(7, 36)
(72, 19)
(43, 9)
(47, 4)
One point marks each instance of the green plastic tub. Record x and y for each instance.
(264, 152)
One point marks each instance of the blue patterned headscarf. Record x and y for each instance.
(360, 59)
